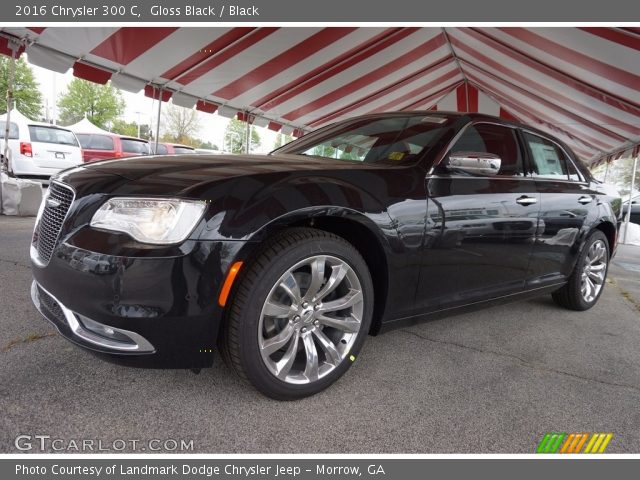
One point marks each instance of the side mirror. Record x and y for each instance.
(475, 163)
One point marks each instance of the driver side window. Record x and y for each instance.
(486, 138)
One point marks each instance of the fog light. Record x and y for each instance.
(105, 331)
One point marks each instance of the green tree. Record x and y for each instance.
(281, 140)
(208, 145)
(181, 125)
(26, 94)
(235, 137)
(121, 127)
(619, 173)
(100, 103)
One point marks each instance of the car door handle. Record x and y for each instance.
(524, 200)
(585, 199)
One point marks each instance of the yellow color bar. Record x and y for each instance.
(594, 437)
(596, 445)
(605, 442)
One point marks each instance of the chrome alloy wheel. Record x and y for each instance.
(310, 319)
(594, 271)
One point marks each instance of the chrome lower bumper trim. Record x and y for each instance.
(139, 344)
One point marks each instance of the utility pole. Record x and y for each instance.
(633, 184)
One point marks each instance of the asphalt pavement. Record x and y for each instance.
(493, 381)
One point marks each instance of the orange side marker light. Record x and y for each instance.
(228, 283)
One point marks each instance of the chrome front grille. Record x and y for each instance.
(57, 204)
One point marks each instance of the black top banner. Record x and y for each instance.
(31, 12)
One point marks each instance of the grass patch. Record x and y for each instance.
(29, 339)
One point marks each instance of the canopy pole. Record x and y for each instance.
(633, 184)
(4, 164)
(158, 120)
(248, 147)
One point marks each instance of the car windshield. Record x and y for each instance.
(52, 135)
(391, 139)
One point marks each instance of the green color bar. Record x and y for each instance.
(550, 443)
(560, 437)
(543, 443)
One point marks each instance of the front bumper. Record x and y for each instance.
(84, 331)
(154, 312)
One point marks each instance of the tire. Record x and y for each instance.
(273, 328)
(586, 283)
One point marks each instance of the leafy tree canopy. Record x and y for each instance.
(101, 104)
(26, 92)
(235, 137)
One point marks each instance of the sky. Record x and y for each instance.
(143, 109)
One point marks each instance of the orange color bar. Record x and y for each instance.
(228, 283)
(581, 443)
(581, 438)
(568, 442)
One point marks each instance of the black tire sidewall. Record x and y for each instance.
(576, 278)
(250, 357)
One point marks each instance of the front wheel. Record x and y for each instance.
(587, 281)
(300, 314)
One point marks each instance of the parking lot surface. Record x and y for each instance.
(491, 381)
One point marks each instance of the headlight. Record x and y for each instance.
(150, 220)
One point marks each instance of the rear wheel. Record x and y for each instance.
(300, 314)
(587, 281)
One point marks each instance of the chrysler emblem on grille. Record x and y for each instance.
(53, 203)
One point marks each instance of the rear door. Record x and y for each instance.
(480, 227)
(566, 201)
(53, 147)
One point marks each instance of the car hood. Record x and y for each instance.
(197, 176)
(197, 167)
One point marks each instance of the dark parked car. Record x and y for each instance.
(635, 210)
(172, 148)
(288, 261)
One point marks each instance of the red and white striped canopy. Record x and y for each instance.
(581, 84)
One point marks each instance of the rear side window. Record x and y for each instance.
(95, 142)
(548, 160)
(574, 175)
(183, 149)
(84, 139)
(162, 149)
(14, 132)
(135, 146)
(494, 139)
(43, 134)
(102, 142)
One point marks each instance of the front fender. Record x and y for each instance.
(257, 204)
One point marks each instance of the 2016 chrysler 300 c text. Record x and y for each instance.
(286, 262)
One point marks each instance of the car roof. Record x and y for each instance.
(111, 134)
(177, 145)
(472, 116)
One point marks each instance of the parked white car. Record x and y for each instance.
(38, 150)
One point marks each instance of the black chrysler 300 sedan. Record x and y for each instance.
(288, 261)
